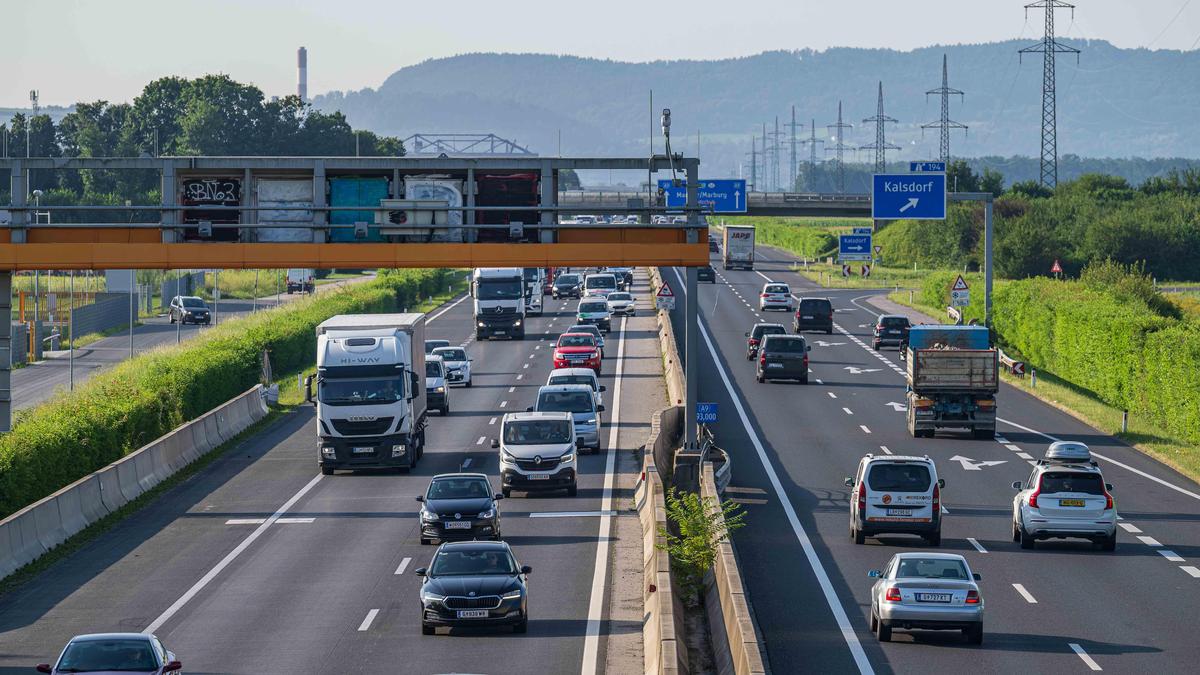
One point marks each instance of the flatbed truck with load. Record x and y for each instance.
(952, 377)
(370, 391)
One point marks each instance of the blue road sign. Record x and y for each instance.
(706, 413)
(854, 247)
(862, 230)
(927, 167)
(721, 196)
(906, 195)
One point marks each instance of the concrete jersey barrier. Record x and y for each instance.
(43, 525)
(663, 628)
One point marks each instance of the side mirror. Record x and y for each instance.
(495, 443)
(849, 482)
(941, 482)
(977, 576)
(746, 334)
(308, 393)
(498, 496)
(579, 444)
(603, 388)
(421, 498)
(44, 668)
(874, 574)
(420, 571)
(526, 569)
(529, 409)
(173, 666)
(808, 348)
(1016, 485)
(1108, 486)
(599, 408)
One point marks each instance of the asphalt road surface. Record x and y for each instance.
(1061, 608)
(325, 583)
(39, 381)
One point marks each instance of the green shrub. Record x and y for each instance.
(143, 398)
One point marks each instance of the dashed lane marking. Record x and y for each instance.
(1091, 663)
(366, 623)
(1025, 594)
(403, 565)
(978, 547)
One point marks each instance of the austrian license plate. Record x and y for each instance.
(806, 316)
(774, 365)
(539, 476)
(1070, 502)
(899, 512)
(893, 332)
(472, 613)
(362, 451)
(500, 332)
(933, 597)
(457, 524)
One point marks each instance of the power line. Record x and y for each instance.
(1048, 48)
(945, 124)
(880, 146)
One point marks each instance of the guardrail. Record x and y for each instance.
(954, 315)
(31, 532)
(1012, 365)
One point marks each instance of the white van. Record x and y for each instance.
(896, 494)
(599, 284)
(538, 452)
(578, 376)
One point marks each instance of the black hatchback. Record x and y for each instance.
(706, 273)
(783, 357)
(813, 314)
(567, 285)
(890, 329)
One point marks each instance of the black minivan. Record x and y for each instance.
(783, 357)
(814, 314)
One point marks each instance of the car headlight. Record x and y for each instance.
(518, 323)
(569, 457)
(590, 420)
(398, 450)
(439, 390)
(512, 595)
(431, 597)
(506, 456)
(428, 516)
(595, 355)
(485, 515)
(328, 450)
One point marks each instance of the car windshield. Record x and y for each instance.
(777, 288)
(537, 432)
(459, 488)
(932, 568)
(451, 354)
(433, 369)
(193, 302)
(574, 379)
(1061, 481)
(565, 401)
(577, 341)
(123, 654)
(431, 345)
(894, 322)
(605, 281)
(593, 307)
(760, 331)
(816, 306)
(499, 290)
(531, 273)
(905, 477)
(585, 329)
(370, 390)
(786, 345)
(619, 296)
(567, 280)
(457, 563)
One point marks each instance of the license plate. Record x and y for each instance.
(1070, 502)
(893, 332)
(472, 613)
(457, 524)
(899, 512)
(774, 365)
(933, 597)
(539, 476)
(806, 317)
(500, 332)
(362, 451)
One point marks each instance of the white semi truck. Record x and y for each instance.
(370, 391)
(500, 302)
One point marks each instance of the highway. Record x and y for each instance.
(39, 381)
(260, 564)
(1063, 607)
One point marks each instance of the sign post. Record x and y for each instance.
(665, 298)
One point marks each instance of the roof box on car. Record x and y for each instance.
(1068, 451)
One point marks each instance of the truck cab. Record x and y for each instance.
(499, 295)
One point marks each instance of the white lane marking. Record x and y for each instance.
(403, 565)
(466, 463)
(831, 394)
(445, 309)
(572, 514)
(260, 521)
(366, 623)
(1010, 446)
(1025, 594)
(884, 448)
(525, 366)
(531, 356)
(848, 411)
(503, 404)
(229, 557)
(978, 547)
(810, 553)
(819, 381)
(535, 347)
(1130, 528)
(864, 428)
(1091, 663)
(521, 376)
(591, 640)
(1170, 555)
(1191, 570)
(491, 421)
(511, 389)
(1000, 439)
(1024, 455)
(1139, 472)
(1149, 541)
(480, 442)
(944, 509)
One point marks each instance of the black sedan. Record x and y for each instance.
(459, 506)
(567, 285)
(474, 583)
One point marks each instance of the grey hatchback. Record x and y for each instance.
(783, 357)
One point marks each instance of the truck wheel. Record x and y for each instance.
(326, 471)
(857, 535)
(507, 492)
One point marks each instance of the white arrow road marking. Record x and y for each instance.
(912, 202)
(972, 465)
(822, 343)
(860, 371)
(898, 407)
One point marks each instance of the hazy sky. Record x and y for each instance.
(93, 49)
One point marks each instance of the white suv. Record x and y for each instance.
(775, 296)
(895, 494)
(1065, 497)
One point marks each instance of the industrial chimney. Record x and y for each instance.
(302, 74)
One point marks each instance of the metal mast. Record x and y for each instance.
(812, 141)
(754, 164)
(776, 178)
(880, 146)
(839, 148)
(795, 176)
(1048, 47)
(766, 153)
(945, 124)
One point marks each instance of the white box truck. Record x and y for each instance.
(370, 391)
(738, 250)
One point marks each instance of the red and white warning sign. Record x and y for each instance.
(960, 284)
(665, 298)
(1056, 268)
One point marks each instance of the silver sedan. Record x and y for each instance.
(926, 591)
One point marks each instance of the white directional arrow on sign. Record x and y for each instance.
(972, 465)
(822, 343)
(859, 371)
(898, 407)
(912, 202)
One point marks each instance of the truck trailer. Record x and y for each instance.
(952, 379)
(738, 251)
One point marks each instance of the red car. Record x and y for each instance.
(577, 350)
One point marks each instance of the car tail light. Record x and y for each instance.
(893, 594)
(1108, 502)
(879, 327)
(937, 499)
(753, 342)
(805, 360)
(764, 295)
(862, 499)
(762, 358)
(1034, 495)
(985, 403)
(972, 597)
